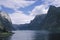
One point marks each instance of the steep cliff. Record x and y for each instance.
(52, 20)
(49, 21)
(5, 22)
(35, 23)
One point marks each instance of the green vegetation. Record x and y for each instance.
(5, 34)
(5, 24)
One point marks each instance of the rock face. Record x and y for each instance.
(49, 21)
(52, 20)
(5, 22)
(35, 23)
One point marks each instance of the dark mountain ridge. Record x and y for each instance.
(52, 20)
(49, 21)
(35, 23)
(5, 22)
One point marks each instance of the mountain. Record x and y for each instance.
(21, 27)
(35, 23)
(5, 22)
(52, 20)
(15, 26)
(49, 21)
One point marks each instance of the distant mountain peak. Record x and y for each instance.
(5, 15)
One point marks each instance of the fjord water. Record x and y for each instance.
(28, 35)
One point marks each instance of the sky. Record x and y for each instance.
(23, 11)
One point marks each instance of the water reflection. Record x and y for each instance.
(41, 35)
(5, 38)
(23, 35)
(30, 35)
(27, 35)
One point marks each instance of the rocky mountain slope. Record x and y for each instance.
(5, 22)
(35, 23)
(49, 21)
(52, 20)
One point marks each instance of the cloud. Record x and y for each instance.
(20, 18)
(52, 2)
(43, 8)
(0, 8)
(38, 10)
(15, 3)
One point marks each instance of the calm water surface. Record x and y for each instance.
(28, 35)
